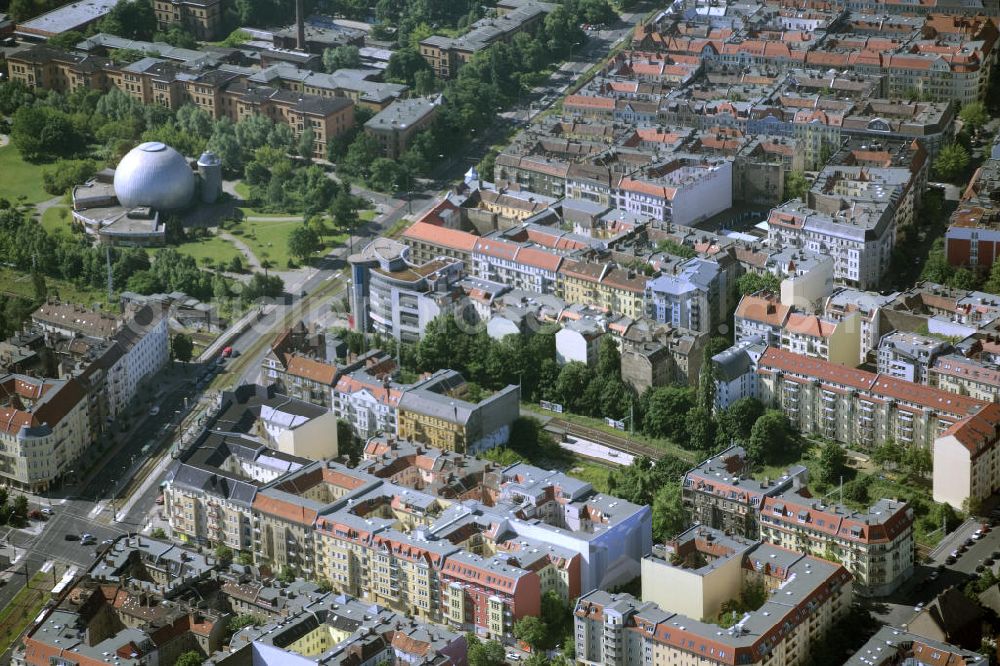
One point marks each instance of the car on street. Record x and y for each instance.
(154, 410)
(47, 510)
(87, 539)
(919, 607)
(950, 559)
(934, 575)
(513, 656)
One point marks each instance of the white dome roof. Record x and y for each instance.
(154, 174)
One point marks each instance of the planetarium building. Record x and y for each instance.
(122, 206)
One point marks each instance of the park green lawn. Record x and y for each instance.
(20, 178)
(209, 251)
(54, 223)
(268, 239)
(19, 284)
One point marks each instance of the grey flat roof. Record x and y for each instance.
(68, 17)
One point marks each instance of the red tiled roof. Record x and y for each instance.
(434, 235)
(979, 432)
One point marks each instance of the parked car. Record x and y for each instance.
(154, 410)
(919, 607)
(87, 539)
(934, 575)
(47, 510)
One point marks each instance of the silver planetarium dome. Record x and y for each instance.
(154, 174)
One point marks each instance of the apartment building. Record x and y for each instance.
(333, 629)
(516, 265)
(604, 286)
(441, 557)
(396, 298)
(446, 55)
(860, 238)
(892, 645)
(433, 411)
(909, 356)
(864, 309)
(368, 402)
(720, 493)
(208, 494)
(682, 191)
(965, 376)
(429, 241)
(734, 378)
(810, 595)
(203, 18)
(395, 126)
(694, 296)
(876, 546)
(45, 430)
(183, 76)
(973, 235)
(855, 407)
(137, 600)
(966, 456)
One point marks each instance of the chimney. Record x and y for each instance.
(300, 26)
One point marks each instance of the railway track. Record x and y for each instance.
(618, 442)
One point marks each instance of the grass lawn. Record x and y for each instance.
(367, 215)
(209, 250)
(53, 223)
(20, 177)
(269, 239)
(19, 284)
(23, 609)
(593, 473)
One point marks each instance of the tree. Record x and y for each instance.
(974, 115)
(796, 185)
(531, 630)
(385, 175)
(664, 409)
(303, 242)
(64, 174)
(951, 162)
(770, 438)
(919, 461)
(887, 455)
(936, 268)
(669, 517)
(701, 429)
(181, 347)
(341, 57)
(305, 143)
(19, 511)
(404, 64)
(992, 284)
(66, 41)
(42, 132)
(190, 658)
(751, 283)
(177, 36)
(832, 463)
(706, 376)
(131, 19)
(485, 653)
(287, 574)
(363, 152)
(242, 621)
(737, 421)
(224, 553)
(609, 359)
